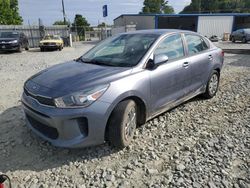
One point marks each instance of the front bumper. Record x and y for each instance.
(50, 46)
(9, 47)
(70, 128)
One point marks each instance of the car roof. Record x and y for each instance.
(159, 31)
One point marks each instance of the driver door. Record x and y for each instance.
(169, 80)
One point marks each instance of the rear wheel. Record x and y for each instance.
(122, 124)
(244, 40)
(27, 48)
(233, 39)
(20, 49)
(42, 49)
(212, 85)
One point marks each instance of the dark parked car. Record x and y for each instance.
(241, 35)
(214, 38)
(13, 41)
(120, 84)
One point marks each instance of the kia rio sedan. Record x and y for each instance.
(118, 85)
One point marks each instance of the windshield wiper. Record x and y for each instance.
(96, 62)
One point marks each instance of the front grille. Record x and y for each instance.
(35, 111)
(49, 43)
(7, 46)
(46, 130)
(42, 100)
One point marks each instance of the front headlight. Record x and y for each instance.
(82, 98)
(13, 41)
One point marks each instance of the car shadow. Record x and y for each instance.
(21, 149)
(38, 50)
(8, 52)
(34, 50)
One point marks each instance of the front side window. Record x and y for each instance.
(195, 44)
(172, 46)
(9, 35)
(247, 31)
(125, 50)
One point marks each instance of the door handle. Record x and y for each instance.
(185, 64)
(210, 57)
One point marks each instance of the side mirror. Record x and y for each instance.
(160, 59)
(156, 61)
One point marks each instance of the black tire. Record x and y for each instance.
(42, 49)
(233, 39)
(60, 48)
(117, 128)
(212, 88)
(20, 49)
(27, 48)
(244, 40)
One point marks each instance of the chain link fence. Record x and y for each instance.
(36, 33)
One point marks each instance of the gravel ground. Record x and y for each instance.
(202, 143)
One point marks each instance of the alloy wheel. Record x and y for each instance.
(213, 84)
(130, 125)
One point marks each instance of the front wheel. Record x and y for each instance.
(27, 48)
(212, 85)
(122, 124)
(20, 49)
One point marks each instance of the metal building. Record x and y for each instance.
(206, 24)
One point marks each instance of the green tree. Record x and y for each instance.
(60, 22)
(81, 25)
(80, 21)
(9, 12)
(157, 6)
(101, 24)
(218, 6)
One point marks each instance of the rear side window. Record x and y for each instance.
(172, 46)
(195, 44)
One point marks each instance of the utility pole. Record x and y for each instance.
(64, 15)
(199, 6)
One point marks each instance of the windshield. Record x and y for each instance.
(125, 50)
(9, 35)
(247, 30)
(51, 38)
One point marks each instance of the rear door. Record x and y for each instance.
(168, 81)
(199, 61)
(239, 34)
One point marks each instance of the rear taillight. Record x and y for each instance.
(222, 53)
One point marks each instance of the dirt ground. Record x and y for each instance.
(202, 143)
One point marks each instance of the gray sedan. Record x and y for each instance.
(241, 35)
(118, 85)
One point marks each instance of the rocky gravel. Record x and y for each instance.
(202, 143)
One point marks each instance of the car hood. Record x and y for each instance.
(49, 41)
(69, 77)
(7, 39)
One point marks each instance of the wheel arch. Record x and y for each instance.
(141, 110)
(218, 70)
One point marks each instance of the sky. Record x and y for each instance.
(51, 10)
